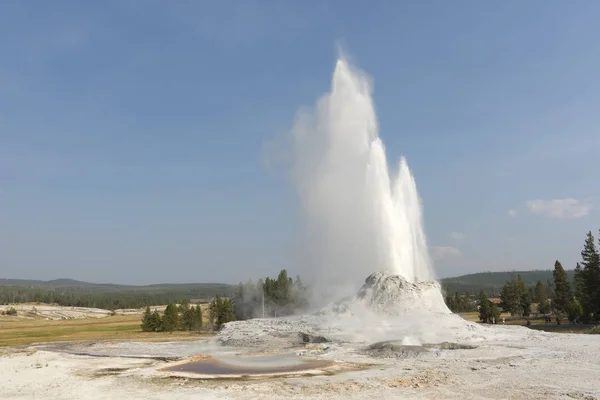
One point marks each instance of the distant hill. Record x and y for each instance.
(69, 292)
(76, 286)
(492, 282)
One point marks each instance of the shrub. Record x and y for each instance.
(574, 310)
(11, 311)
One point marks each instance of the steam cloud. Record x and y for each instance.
(358, 218)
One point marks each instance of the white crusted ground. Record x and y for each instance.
(51, 312)
(533, 365)
(508, 361)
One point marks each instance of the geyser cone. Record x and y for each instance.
(393, 295)
(359, 219)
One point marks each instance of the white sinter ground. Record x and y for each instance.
(509, 362)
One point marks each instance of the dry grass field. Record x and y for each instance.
(474, 317)
(538, 323)
(15, 331)
(20, 332)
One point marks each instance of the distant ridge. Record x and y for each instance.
(488, 281)
(66, 281)
(75, 285)
(492, 282)
(70, 292)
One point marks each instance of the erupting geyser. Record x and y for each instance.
(360, 218)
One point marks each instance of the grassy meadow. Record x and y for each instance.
(536, 323)
(15, 331)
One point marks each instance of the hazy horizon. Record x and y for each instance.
(237, 282)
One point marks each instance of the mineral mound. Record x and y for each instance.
(389, 294)
(387, 307)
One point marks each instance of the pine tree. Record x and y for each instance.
(537, 291)
(155, 323)
(147, 320)
(494, 313)
(170, 319)
(213, 312)
(541, 297)
(243, 306)
(524, 297)
(451, 303)
(591, 279)
(197, 318)
(485, 307)
(187, 319)
(227, 313)
(510, 297)
(183, 307)
(579, 281)
(562, 289)
(221, 311)
(574, 310)
(550, 288)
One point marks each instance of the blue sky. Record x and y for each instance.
(132, 133)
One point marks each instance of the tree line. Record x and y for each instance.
(574, 295)
(186, 317)
(488, 312)
(105, 300)
(577, 300)
(221, 311)
(492, 282)
(460, 302)
(270, 297)
(175, 318)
